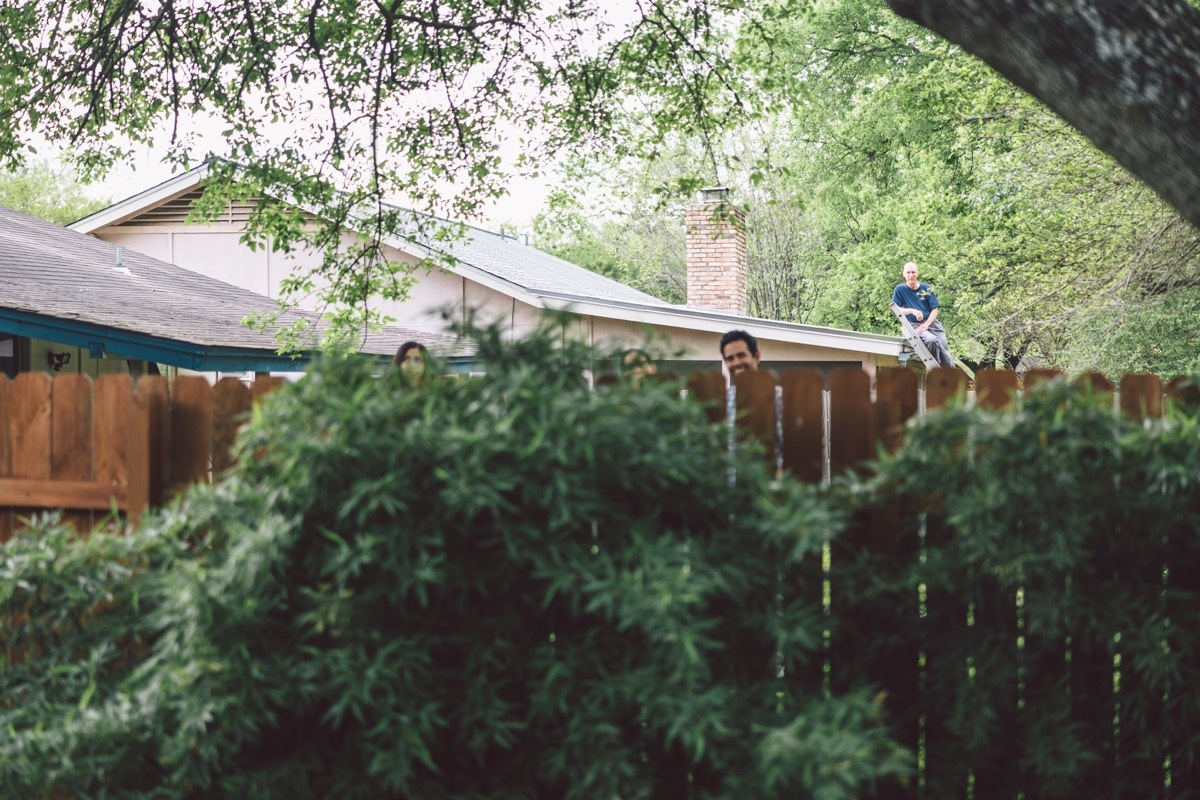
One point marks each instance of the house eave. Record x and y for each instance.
(99, 339)
(719, 322)
(136, 204)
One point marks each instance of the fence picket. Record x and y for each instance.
(1141, 397)
(896, 402)
(29, 426)
(71, 457)
(1032, 377)
(851, 419)
(852, 444)
(756, 409)
(1183, 393)
(995, 388)
(231, 403)
(264, 384)
(1094, 380)
(157, 397)
(147, 431)
(112, 399)
(708, 388)
(191, 431)
(804, 424)
(941, 385)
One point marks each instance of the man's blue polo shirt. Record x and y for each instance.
(922, 297)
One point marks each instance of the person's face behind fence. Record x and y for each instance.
(738, 357)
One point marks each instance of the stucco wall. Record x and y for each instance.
(702, 345)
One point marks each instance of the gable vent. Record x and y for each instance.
(175, 212)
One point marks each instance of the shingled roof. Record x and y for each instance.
(75, 289)
(529, 269)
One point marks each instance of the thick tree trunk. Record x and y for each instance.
(1126, 73)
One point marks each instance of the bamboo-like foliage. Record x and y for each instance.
(512, 586)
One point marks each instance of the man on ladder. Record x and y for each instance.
(916, 305)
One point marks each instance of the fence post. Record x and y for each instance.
(995, 388)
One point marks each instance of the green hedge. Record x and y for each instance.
(501, 587)
(1038, 618)
(516, 587)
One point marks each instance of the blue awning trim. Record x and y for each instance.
(99, 339)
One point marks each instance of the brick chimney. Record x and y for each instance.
(716, 253)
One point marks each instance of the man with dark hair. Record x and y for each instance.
(739, 351)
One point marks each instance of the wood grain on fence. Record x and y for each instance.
(5, 456)
(995, 388)
(87, 447)
(804, 424)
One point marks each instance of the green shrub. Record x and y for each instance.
(500, 587)
(1051, 599)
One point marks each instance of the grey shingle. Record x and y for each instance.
(55, 272)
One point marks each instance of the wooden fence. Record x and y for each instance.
(965, 684)
(834, 423)
(90, 447)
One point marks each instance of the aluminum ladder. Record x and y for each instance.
(914, 341)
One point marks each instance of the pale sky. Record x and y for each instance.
(525, 199)
(526, 196)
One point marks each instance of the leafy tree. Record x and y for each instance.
(414, 99)
(334, 107)
(1134, 102)
(509, 586)
(638, 246)
(896, 145)
(50, 192)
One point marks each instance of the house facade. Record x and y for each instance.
(506, 281)
(72, 303)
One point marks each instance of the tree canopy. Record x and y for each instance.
(894, 145)
(1122, 73)
(337, 106)
(340, 105)
(48, 191)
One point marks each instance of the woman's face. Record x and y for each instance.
(413, 363)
